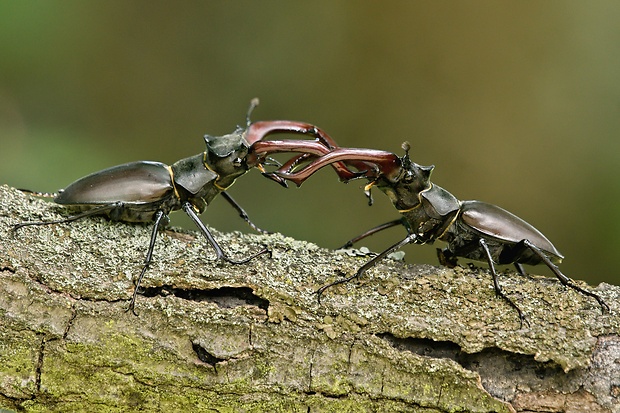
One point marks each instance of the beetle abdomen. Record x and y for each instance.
(493, 221)
(136, 182)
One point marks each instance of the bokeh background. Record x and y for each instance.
(516, 103)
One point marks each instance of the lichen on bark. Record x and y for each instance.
(253, 337)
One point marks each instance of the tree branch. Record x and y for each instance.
(252, 337)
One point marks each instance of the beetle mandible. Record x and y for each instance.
(472, 229)
(146, 191)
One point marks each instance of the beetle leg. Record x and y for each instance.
(563, 278)
(372, 231)
(242, 213)
(521, 270)
(498, 289)
(90, 212)
(447, 258)
(189, 210)
(159, 216)
(411, 238)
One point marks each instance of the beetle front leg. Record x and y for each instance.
(220, 255)
(411, 238)
(498, 289)
(372, 231)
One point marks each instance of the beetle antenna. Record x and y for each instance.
(253, 104)
(406, 147)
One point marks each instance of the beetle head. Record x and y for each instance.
(226, 155)
(404, 184)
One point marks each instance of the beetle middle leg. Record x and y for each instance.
(242, 213)
(189, 210)
(159, 217)
(447, 258)
(498, 289)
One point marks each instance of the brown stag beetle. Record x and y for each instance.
(472, 229)
(147, 191)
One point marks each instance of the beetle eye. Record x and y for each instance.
(237, 161)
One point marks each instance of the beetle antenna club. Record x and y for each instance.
(253, 104)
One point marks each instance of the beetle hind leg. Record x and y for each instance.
(563, 278)
(102, 210)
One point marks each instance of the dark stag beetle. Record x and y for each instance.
(147, 191)
(472, 229)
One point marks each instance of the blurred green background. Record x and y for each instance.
(516, 103)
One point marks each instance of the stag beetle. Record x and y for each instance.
(147, 191)
(472, 229)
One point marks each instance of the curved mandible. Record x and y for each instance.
(322, 145)
(257, 131)
(307, 149)
(345, 174)
(289, 165)
(386, 163)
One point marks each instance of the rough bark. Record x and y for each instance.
(252, 338)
